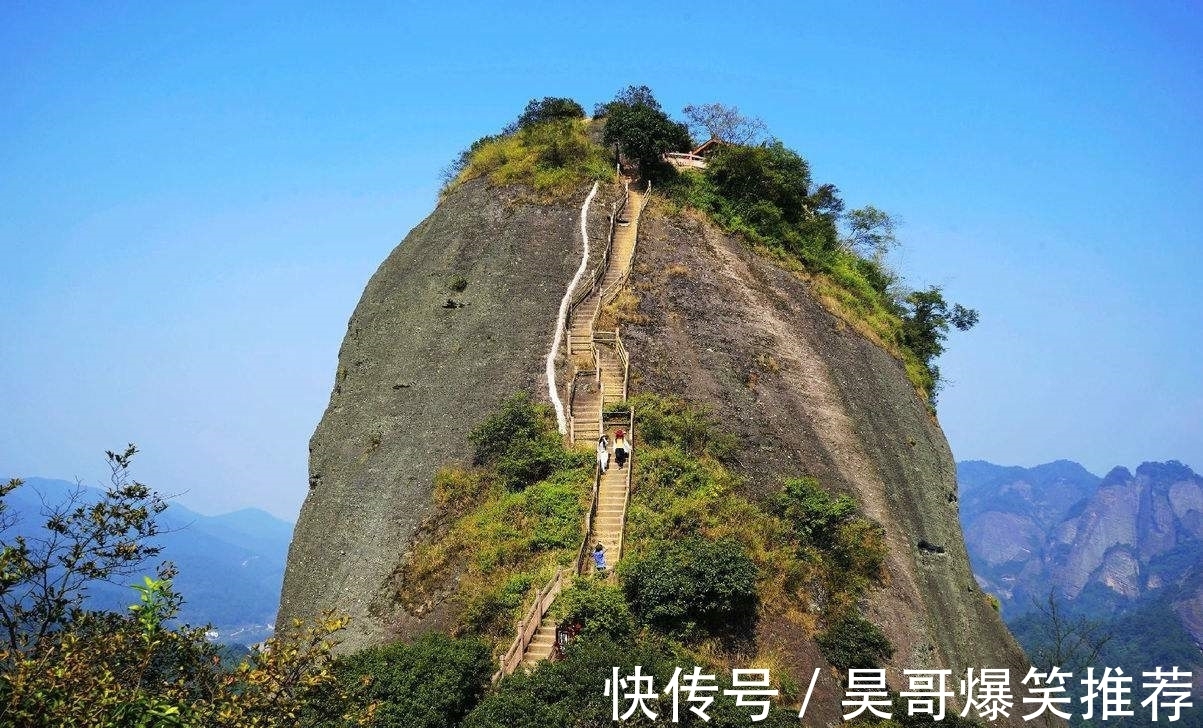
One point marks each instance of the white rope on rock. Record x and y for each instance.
(552, 390)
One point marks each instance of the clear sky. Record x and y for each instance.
(192, 197)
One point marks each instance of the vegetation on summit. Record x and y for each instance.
(752, 186)
(547, 148)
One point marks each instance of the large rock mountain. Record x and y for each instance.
(1008, 514)
(716, 324)
(1103, 545)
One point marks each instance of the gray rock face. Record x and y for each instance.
(807, 395)
(1121, 531)
(1109, 521)
(421, 365)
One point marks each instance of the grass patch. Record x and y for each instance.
(554, 158)
(505, 524)
(813, 555)
(623, 308)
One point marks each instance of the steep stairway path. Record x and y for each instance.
(588, 400)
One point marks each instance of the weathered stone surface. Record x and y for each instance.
(807, 395)
(414, 377)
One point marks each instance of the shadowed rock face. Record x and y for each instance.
(414, 377)
(809, 396)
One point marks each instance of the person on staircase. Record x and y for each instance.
(599, 558)
(622, 447)
(603, 453)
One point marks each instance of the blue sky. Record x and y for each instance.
(194, 197)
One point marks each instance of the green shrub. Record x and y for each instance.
(549, 108)
(521, 443)
(814, 514)
(570, 692)
(853, 641)
(432, 683)
(502, 528)
(516, 418)
(598, 607)
(670, 421)
(849, 548)
(490, 611)
(694, 588)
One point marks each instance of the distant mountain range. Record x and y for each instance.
(1125, 549)
(230, 566)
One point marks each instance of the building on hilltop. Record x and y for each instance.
(697, 158)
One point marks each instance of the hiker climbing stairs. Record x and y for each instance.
(590, 396)
(611, 513)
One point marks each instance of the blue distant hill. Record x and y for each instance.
(230, 566)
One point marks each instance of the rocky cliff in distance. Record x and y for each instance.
(1104, 542)
(1124, 551)
(716, 324)
(1134, 535)
(1008, 514)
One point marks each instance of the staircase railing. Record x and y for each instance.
(583, 552)
(629, 422)
(530, 625)
(626, 362)
(611, 290)
(600, 271)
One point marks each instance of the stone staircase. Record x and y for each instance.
(590, 396)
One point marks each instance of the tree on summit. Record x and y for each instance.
(643, 132)
(549, 108)
(719, 121)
